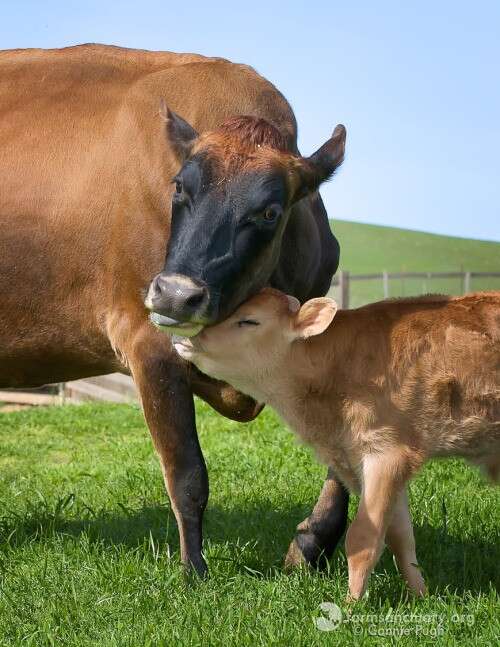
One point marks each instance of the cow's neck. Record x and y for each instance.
(308, 244)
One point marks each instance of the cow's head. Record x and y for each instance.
(231, 202)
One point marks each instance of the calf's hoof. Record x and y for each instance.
(416, 584)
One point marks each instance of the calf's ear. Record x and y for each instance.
(181, 135)
(314, 317)
(321, 165)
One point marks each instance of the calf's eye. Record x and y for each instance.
(178, 186)
(248, 322)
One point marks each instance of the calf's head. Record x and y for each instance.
(230, 206)
(254, 342)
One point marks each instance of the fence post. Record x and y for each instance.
(385, 280)
(467, 282)
(344, 289)
(61, 391)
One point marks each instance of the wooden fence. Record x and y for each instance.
(109, 388)
(343, 281)
(121, 388)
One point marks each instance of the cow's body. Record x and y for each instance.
(84, 174)
(84, 221)
(376, 391)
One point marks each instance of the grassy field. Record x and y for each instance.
(89, 550)
(371, 248)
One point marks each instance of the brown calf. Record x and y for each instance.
(376, 393)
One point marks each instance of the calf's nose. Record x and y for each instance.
(177, 296)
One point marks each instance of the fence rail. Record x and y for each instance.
(344, 279)
(110, 388)
(120, 388)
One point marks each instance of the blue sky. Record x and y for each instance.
(416, 84)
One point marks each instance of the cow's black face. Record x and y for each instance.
(224, 242)
(229, 211)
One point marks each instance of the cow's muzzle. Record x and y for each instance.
(178, 304)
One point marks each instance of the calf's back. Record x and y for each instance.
(422, 371)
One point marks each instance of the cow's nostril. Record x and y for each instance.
(178, 297)
(195, 300)
(155, 288)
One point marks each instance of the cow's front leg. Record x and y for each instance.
(168, 406)
(318, 535)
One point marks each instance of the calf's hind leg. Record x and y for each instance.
(401, 541)
(318, 535)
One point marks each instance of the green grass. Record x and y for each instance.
(89, 549)
(371, 248)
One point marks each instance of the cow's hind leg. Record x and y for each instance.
(169, 411)
(318, 535)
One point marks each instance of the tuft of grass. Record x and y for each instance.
(89, 548)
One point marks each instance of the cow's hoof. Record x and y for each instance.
(196, 569)
(294, 557)
(305, 551)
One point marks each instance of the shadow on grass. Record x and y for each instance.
(448, 562)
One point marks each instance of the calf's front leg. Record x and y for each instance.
(383, 480)
(318, 535)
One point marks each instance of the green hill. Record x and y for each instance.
(373, 248)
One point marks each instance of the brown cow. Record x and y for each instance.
(376, 393)
(86, 195)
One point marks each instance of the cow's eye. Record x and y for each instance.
(248, 322)
(178, 187)
(271, 214)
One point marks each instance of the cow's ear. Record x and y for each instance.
(314, 317)
(181, 135)
(312, 171)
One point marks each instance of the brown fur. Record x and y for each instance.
(85, 220)
(244, 144)
(250, 133)
(377, 392)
